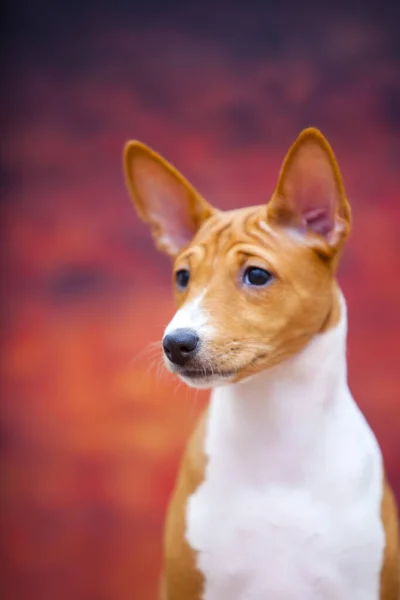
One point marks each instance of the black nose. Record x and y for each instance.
(180, 345)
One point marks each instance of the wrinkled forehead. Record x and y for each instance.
(233, 238)
(225, 230)
(242, 231)
(232, 224)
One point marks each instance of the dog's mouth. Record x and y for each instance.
(204, 378)
(209, 376)
(205, 373)
(197, 374)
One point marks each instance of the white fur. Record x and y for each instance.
(290, 505)
(191, 316)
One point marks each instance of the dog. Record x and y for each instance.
(282, 492)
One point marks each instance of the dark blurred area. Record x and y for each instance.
(91, 428)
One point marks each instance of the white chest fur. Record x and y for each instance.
(290, 505)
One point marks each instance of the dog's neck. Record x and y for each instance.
(287, 406)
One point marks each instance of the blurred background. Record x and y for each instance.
(91, 428)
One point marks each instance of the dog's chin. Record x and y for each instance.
(205, 381)
(200, 377)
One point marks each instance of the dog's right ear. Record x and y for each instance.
(163, 198)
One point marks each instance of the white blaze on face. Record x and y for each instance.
(192, 316)
(195, 317)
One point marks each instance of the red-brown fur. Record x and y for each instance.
(303, 259)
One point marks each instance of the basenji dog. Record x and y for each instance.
(282, 493)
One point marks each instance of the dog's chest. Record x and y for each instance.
(296, 536)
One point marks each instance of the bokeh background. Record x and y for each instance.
(91, 429)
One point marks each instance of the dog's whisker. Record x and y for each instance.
(152, 347)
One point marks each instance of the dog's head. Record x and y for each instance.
(253, 285)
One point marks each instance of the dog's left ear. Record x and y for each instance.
(310, 195)
(163, 198)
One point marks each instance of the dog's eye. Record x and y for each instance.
(182, 278)
(256, 276)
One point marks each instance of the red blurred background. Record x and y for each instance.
(91, 429)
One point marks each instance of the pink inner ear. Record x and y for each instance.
(318, 220)
(317, 203)
(174, 219)
(166, 204)
(310, 186)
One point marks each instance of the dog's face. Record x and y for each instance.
(253, 285)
